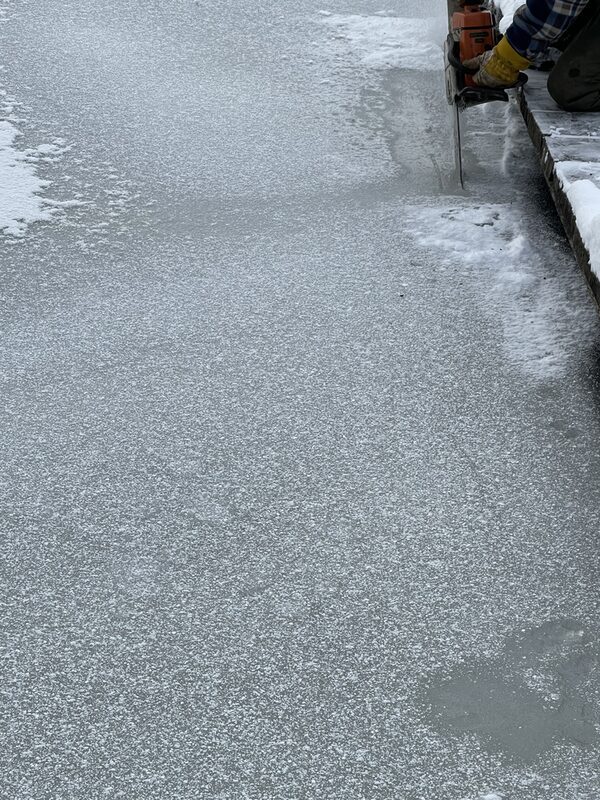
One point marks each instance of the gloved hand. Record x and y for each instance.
(498, 68)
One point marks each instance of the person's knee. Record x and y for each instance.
(574, 83)
(560, 87)
(568, 93)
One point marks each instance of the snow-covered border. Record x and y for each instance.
(584, 197)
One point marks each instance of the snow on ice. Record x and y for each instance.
(20, 186)
(533, 305)
(386, 41)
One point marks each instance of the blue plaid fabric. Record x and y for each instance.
(540, 23)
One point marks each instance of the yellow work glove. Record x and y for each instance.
(498, 68)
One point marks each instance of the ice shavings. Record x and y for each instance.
(578, 130)
(581, 183)
(20, 186)
(385, 41)
(492, 243)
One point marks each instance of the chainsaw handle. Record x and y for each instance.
(456, 64)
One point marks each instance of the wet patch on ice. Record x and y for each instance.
(533, 697)
(544, 313)
(385, 41)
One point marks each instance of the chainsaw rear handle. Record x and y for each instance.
(456, 64)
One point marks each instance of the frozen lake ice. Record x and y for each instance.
(300, 467)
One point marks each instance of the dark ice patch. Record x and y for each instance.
(496, 701)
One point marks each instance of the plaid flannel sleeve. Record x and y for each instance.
(540, 23)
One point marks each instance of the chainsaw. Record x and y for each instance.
(473, 30)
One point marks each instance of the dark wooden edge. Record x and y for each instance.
(561, 201)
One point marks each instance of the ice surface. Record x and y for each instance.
(385, 41)
(267, 462)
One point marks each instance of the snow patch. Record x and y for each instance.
(385, 41)
(20, 186)
(584, 196)
(508, 8)
(21, 203)
(533, 305)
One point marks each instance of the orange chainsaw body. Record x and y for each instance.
(474, 30)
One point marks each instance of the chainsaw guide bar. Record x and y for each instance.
(472, 31)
